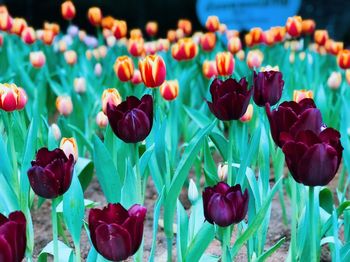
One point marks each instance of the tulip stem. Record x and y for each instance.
(54, 228)
(138, 175)
(313, 248)
(229, 154)
(225, 243)
(77, 252)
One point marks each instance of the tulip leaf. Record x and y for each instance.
(182, 231)
(210, 170)
(85, 169)
(197, 216)
(181, 174)
(209, 258)
(271, 250)
(79, 134)
(5, 164)
(65, 252)
(129, 194)
(345, 252)
(8, 198)
(145, 159)
(326, 200)
(106, 172)
(73, 209)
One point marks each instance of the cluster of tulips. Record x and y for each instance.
(85, 110)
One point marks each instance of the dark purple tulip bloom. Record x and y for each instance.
(230, 98)
(116, 233)
(51, 173)
(268, 87)
(225, 205)
(312, 159)
(13, 238)
(132, 119)
(291, 117)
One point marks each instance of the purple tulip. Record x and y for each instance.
(116, 233)
(51, 173)
(225, 205)
(73, 30)
(291, 117)
(313, 159)
(90, 41)
(230, 98)
(13, 238)
(268, 87)
(132, 119)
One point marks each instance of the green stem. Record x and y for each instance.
(77, 252)
(169, 242)
(225, 243)
(313, 249)
(138, 175)
(229, 154)
(54, 228)
(294, 220)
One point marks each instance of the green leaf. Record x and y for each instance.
(345, 252)
(129, 190)
(210, 170)
(271, 250)
(79, 134)
(182, 231)
(326, 200)
(145, 159)
(85, 169)
(65, 252)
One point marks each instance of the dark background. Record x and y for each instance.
(333, 15)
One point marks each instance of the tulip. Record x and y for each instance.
(18, 25)
(70, 56)
(1, 40)
(13, 238)
(51, 173)
(119, 29)
(135, 34)
(208, 41)
(28, 35)
(212, 24)
(269, 37)
(163, 45)
(222, 171)
(225, 63)
(240, 55)
(131, 120)
(62, 46)
(152, 28)
(224, 205)
(234, 45)
(91, 42)
(115, 232)
(308, 26)
(98, 69)
(184, 49)
(169, 89)
(230, 98)
(334, 80)
(320, 37)
(54, 27)
(64, 105)
(299, 95)
(248, 114)
(5, 21)
(136, 78)
(94, 16)
(107, 22)
(294, 26)
(37, 59)
(68, 10)
(291, 118)
(257, 35)
(48, 37)
(56, 131)
(136, 47)
(179, 34)
(101, 119)
(268, 87)
(153, 70)
(231, 33)
(333, 47)
(313, 159)
(209, 69)
(79, 85)
(344, 59)
(124, 68)
(254, 58)
(171, 36)
(279, 33)
(110, 96)
(12, 97)
(70, 147)
(185, 25)
(248, 39)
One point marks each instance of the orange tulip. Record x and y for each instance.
(55, 28)
(136, 47)
(231, 33)
(135, 33)
(254, 58)
(333, 47)
(344, 59)
(48, 37)
(308, 26)
(153, 70)
(184, 49)
(299, 95)
(107, 22)
(169, 89)
(234, 45)
(5, 21)
(28, 35)
(279, 33)
(124, 68)
(320, 37)
(110, 96)
(257, 35)
(269, 37)
(208, 41)
(95, 16)
(18, 25)
(171, 36)
(185, 25)
(64, 105)
(37, 59)
(68, 10)
(212, 24)
(209, 69)
(152, 28)
(70, 56)
(225, 63)
(294, 26)
(69, 147)
(119, 29)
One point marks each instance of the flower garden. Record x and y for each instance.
(193, 143)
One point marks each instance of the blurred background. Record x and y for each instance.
(237, 14)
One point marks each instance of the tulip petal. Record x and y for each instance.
(44, 156)
(206, 195)
(221, 210)
(310, 119)
(221, 188)
(5, 250)
(16, 238)
(293, 153)
(43, 182)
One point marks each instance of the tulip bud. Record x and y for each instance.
(79, 85)
(48, 37)
(56, 131)
(111, 41)
(248, 39)
(28, 35)
(136, 78)
(98, 69)
(294, 26)
(225, 63)
(184, 49)
(163, 45)
(37, 59)
(135, 34)
(152, 28)
(136, 47)
(257, 35)
(222, 171)
(308, 26)
(192, 192)
(54, 27)
(107, 22)
(101, 119)
(110, 96)
(279, 33)
(5, 21)
(185, 25)
(18, 25)
(169, 89)
(64, 105)
(22, 98)
(334, 80)
(248, 114)
(95, 16)
(208, 41)
(69, 147)
(333, 47)
(320, 37)
(299, 95)
(119, 29)
(212, 24)
(171, 36)
(70, 56)
(240, 55)
(124, 68)
(209, 69)
(344, 59)
(254, 58)
(292, 57)
(234, 45)
(269, 38)
(68, 10)
(231, 33)
(153, 70)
